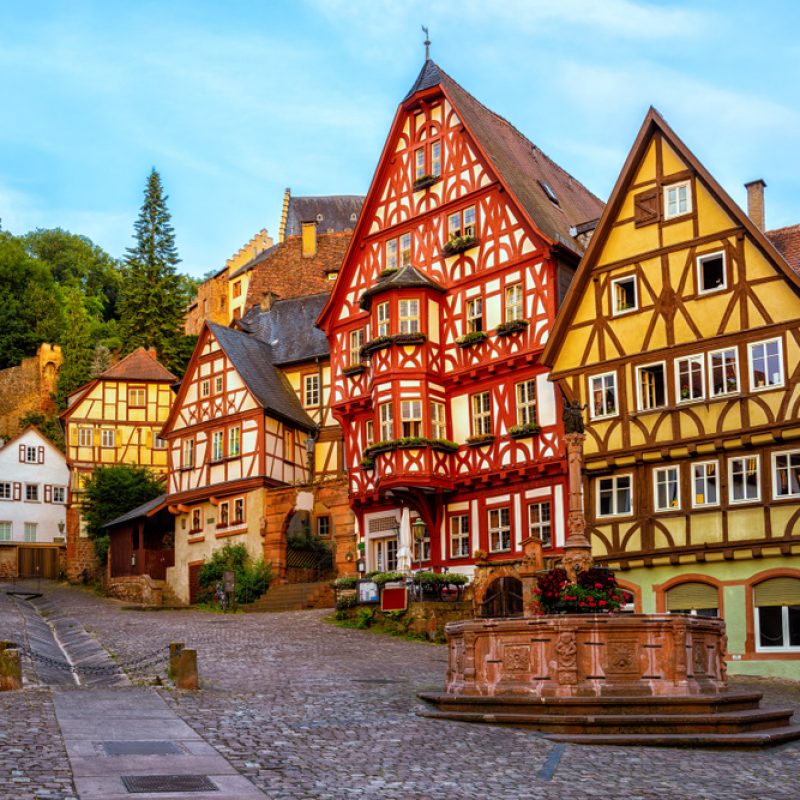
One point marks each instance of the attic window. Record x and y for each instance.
(319, 217)
(548, 190)
(353, 217)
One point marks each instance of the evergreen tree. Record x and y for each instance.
(153, 296)
(76, 347)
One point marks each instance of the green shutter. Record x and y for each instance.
(778, 592)
(692, 595)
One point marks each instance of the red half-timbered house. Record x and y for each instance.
(468, 239)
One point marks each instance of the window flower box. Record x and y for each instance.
(353, 369)
(409, 338)
(512, 326)
(472, 339)
(367, 463)
(458, 244)
(378, 343)
(521, 431)
(382, 342)
(480, 439)
(425, 181)
(406, 443)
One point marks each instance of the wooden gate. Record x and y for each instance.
(194, 582)
(37, 562)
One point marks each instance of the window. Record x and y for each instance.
(422, 546)
(711, 273)
(459, 536)
(137, 396)
(188, 453)
(84, 437)
(526, 403)
(107, 437)
(766, 364)
(382, 315)
(197, 520)
(461, 223)
(311, 390)
(5, 490)
(623, 295)
(419, 163)
(724, 372)
(667, 486)
(405, 250)
(237, 289)
(234, 441)
(386, 555)
(745, 485)
(369, 432)
(205, 388)
(436, 158)
(391, 254)
(218, 384)
(614, 496)
(159, 443)
(513, 306)
(408, 316)
(603, 395)
(32, 492)
(499, 529)
(786, 474)
(475, 315)
(695, 598)
(704, 476)
(5, 531)
(677, 200)
(30, 531)
(689, 375)
(540, 522)
(481, 414)
(651, 382)
(434, 167)
(238, 511)
(323, 526)
(387, 422)
(30, 455)
(411, 417)
(223, 519)
(356, 343)
(777, 614)
(216, 446)
(438, 424)
(59, 494)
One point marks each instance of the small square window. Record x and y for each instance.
(32, 492)
(137, 396)
(677, 200)
(651, 383)
(85, 437)
(205, 388)
(107, 439)
(667, 487)
(623, 295)
(711, 273)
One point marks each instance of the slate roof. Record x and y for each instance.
(139, 365)
(520, 163)
(253, 359)
(138, 512)
(787, 242)
(336, 211)
(288, 327)
(407, 277)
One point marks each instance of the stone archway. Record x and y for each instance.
(502, 598)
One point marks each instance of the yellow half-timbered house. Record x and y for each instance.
(681, 335)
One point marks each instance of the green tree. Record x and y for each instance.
(47, 424)
(112, 491)
(76, 348)
(153, 296)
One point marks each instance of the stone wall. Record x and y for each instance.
(80, 551)
(28, 387)
(135, 589)
(8, 561)
(424, 619)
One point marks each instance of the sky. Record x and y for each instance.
(233, 102)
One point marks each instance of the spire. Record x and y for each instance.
(427, 43)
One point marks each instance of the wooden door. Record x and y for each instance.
(194, 583)
(37, 562)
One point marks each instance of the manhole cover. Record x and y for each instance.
(141, 784)
(140, 748)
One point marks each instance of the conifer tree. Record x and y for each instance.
(153, 298)
(76, 347)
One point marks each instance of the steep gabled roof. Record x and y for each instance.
(653, 123)
(787, 241)
(288, 328)
(406, 277)
(336, 213)
(254, 361)
(9, 444)
(140, 365)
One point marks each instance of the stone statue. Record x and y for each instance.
(573, 416)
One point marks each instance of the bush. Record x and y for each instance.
(345, 583)
(364, 618)
(346, 601)
(382, 578)
(252, 578)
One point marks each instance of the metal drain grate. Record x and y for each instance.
(141, 784)
(140, 748)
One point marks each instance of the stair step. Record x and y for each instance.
(293, 597)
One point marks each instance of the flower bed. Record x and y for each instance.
(594, 592)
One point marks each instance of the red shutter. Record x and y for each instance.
(22, 453)
(17, 490)
(645, 207)
(40, 454)
(48, 493)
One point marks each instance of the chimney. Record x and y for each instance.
(755, 202)
(267, 299)
(309, 239)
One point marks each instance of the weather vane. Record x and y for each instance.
(427, 44)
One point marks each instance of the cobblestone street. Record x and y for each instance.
(305, 709)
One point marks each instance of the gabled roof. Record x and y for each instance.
(406, 277)
(336, 213)
(32, 429)
(787, 241)
(254, 361)
(653, 123)
(288, 328)
(147, 509)
(140, 365)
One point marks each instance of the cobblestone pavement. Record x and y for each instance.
(305, 709)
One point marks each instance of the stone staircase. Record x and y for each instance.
(294, 597)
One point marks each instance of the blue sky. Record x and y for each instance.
(233, 101)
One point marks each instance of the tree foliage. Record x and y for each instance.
(48, 424)
(112, 491)
(153, 298)
(252, 578)
(76, 348)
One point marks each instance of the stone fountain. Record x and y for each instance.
(655, 679)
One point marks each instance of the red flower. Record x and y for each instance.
(602, 603)
(598, 586)
(581, 604)
(615, 597)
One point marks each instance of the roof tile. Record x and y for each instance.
(140, 365)
(787, 242)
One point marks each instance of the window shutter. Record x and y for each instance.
(692, 595)
(48, 493)
(117, 437)
(148, 437)
(645, 207)
(17, 490)
(40, 454)
(22, 453)
(778, 592)
(96, 437)
(73, 435)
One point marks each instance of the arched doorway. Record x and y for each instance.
(503, 598)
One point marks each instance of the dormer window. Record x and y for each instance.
(408, 316)
(677, 200)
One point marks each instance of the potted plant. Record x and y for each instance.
(472, 338)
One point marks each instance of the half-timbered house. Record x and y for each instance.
(681, 335)
(114, 419)
(467, 240)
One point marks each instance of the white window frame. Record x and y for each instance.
(438, 420)
(356, 343)
(706, 481)
(790, 455)
(217, 445)
(786, 648)
(188, 453)
(29, 532)
(698, 359)
(235, 441)
(732, 464)
(383, 318)
(386, 416)
(32, 496)
(615, 489)
(107, 438)
(514, 302)
(31, 456)
(526, 402)
(459, 533)
(616, 311)
(726, 393)
(85, 434)
(500, 527)
(369, 432)
(60, 494)
(419, 163)
(639, 395)
(603, 413)
(6, 530)
(205, 388)
(676, 187)
(158, 442)
(474, 314)
(218, 384)
(408, 315)
(481, 417)
(751, 364)
(311, 390)
(436, 157)
(700, 260)
(6, 490)
(666, 476)
(465, 223)
(392, 248)
(411, 416)
(539, 526)
(404, 250)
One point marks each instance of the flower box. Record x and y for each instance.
(406, 443)
(409, 338)
(458, 244)
(382, 342)
(480, 439)
(521, 431)
(424, 181)
(471, 339)
(353, 369)
(378, 343)
(512, 326)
